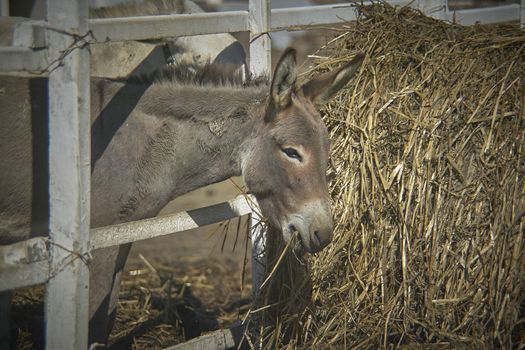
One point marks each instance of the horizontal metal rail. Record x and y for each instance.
(159, 226)
(25, 275)
(288, 18)
(283, 19)
(16, 59)
(219, 339)
(487, 15)
(168, 26)
(26, 263)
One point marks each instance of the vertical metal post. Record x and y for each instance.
(258, 238)
(4, 7)
(260, 43)
(260, 64)
(67, 294)
(522, 14)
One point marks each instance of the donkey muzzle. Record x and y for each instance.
(313, 222)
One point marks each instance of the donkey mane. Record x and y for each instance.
(213, 92)
(214, 74)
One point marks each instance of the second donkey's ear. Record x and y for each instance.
(324, 87)
(284, 78)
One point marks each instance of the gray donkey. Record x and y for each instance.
(155, 139)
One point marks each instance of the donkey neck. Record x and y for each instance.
(214, 127)
(184, 137)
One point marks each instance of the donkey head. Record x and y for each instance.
(288, 173)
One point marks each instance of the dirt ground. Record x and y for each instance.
(174, 287)
(205, 275)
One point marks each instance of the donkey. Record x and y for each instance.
(154, 139)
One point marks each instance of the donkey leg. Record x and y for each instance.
(5, 319)
(105, 275)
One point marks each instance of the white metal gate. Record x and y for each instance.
(59, 47)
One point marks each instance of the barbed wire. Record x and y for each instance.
(80, 41)
(56, 268)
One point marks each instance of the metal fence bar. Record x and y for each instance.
(260, 44)
(258, 238)
(283, 19)
(522, 14)
(67, 293)
(487, 15)
(26, 263)
(216, 340)
(16, 59)
(166, 26)
(4, 7)
(260, 19)
(160, 226)
(25, 275)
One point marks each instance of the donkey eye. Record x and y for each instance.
(292, 153)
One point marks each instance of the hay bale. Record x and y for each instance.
(429, 197)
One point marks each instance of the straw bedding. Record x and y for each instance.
(428, 148)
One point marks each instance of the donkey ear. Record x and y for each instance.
(284, 79)
(325, 86)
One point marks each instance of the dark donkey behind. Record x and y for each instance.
(153, 140)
